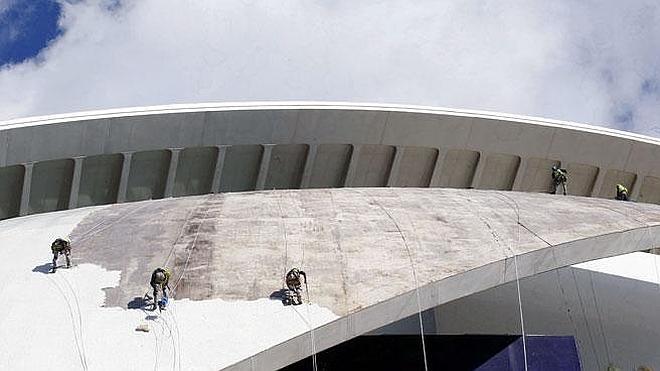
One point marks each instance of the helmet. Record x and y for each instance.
(160, 276)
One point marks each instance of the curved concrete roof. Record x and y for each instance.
(365, 250)
(67, 161)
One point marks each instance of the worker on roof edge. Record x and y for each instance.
(559, 177)
(621, 192)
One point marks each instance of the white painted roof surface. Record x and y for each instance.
(58, 322)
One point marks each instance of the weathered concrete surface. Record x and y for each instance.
(362, 248)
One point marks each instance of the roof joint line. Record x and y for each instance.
(535, 234)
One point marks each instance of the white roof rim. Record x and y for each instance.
(316, 105)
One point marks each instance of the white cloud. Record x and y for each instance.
(5, 5)
(589, 61)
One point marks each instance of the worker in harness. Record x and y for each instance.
(559, 178)
(160, 279)
(61, 246)
(293, 283)
(621, 192)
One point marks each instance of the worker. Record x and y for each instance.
(621, 192)
(558, 178)
(61, 246)
(160, 279)
(294, 295)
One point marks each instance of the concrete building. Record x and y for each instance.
(426, 225)
(68, 161)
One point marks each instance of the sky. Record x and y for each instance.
(595, 62)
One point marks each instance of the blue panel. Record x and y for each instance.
(544, 353)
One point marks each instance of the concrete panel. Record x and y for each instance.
(417, 129)
(373, 166)
(588, 148)
(11, 184)
(330, 167)
(458, 168)
(499, 136)
(340, 126)
(119, 134)
(148, 175)
(416, 167)
(175, 130)
(195, 170)
(241, 168)
(45, 142)
(287, 162)
(537, 175)
(99, 181)
(19, 144)
(644, 159)
(650, 191)
(581, 179)
(51, 186)
(499, 172)
(249, 127)
(614, 177)
(95, 134)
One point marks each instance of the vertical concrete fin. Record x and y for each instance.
(264, 167)
(309, 165)
(125, 173)
(598, 184)
(437, 169)
(27, 183)
(517, 181)
(479, 170)
(637, 187)
(396, 165)
(217, 172)
(75, 181)
(352, 165)
(171, 173)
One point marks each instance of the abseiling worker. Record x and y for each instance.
(61, 246)
(621, 192)
(160, 279)
(295, 285)
(559, 178)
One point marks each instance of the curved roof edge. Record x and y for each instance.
(308, 105)
(443, 291)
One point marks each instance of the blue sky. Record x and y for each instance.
(26, 27)
(591, 61)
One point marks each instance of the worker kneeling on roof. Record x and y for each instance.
(294, 284)
(160, 279)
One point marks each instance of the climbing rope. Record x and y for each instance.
(192, 247)
(516, 208)
(414, 273)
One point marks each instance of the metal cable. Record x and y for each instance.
(414, 272)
